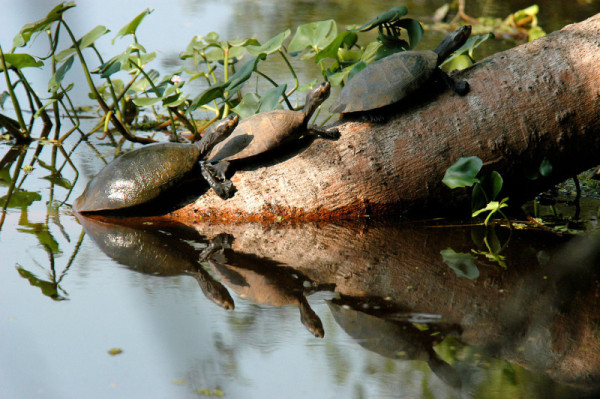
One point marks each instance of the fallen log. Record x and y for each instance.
(537, 101)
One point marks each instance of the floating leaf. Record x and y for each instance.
(463, 264)
(115, 351)
(463, 172)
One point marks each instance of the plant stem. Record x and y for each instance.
(13, 98)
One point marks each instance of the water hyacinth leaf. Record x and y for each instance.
(370, 53)
(390, 45)
(20, 61)
(314, 35)
(463, 172)
(458, 63)
(23, 37)
(248, 106)
(270, 100)
(86, 40)
(243, 74)
(146, 101)
(58, 180)
(545, 167)
(173, 101)
(331, 50)
(207, 96)
(270, 46)
(337, 78)
(356, 68)
(58, 76)
(386, 17)
(132, 26)
(413, 29)
(463, 264)
(469, 47)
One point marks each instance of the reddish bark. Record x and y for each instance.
(539, 100)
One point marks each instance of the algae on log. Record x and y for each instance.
(538, 100)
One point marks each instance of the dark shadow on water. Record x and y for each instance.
(526, 301)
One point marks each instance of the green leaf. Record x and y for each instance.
(86, 40)
(58, 76)
(270, 46)
(243, 74)
(413, 29)
(467, 49)
(48, 288)
(21, 199)
(23, 37)
(248, 106)
(331, 50)
(146, 101)
(132, 26)
(270, 100)
(463, 264)
(207, 96)
(21, 61)
(359, 66)
(58, 180)
(458, 63)
(314, 35)
(463, 172)
(387, 17)
(545, 167)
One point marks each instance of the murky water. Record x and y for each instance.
(401, 317)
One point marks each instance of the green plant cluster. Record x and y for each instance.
(223, 66)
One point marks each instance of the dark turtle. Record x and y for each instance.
(142, 175)
(393, 78)
(266, 131)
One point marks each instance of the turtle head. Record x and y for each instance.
(315, 98)
(227, 124)
(452, 42)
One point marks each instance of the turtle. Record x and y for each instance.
(140, 176)
(264, 132)
(395, 77)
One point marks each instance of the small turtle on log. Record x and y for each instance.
(264, 132)
(395, 77)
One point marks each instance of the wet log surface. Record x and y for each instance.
(538, 100)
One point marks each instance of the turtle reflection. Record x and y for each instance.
(157, 248)
(396, 338)
(267, 282)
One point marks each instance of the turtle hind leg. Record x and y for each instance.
(330, 134)
(460, 87)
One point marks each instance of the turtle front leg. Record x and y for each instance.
(460, 87)
(224, 189)
(330, 134)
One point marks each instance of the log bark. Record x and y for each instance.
(538, 100)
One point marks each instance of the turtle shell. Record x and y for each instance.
(137, 177)
(257, 134)
(386, 81)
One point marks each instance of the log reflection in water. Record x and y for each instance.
(525, 313)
